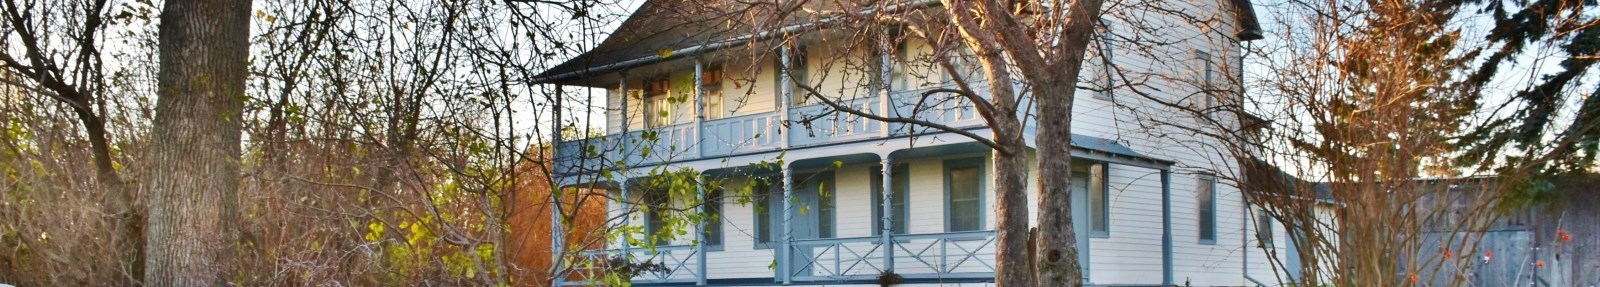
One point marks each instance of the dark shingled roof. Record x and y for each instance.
(659, 27)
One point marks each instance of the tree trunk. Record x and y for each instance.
(193, 179)
(1057, 263)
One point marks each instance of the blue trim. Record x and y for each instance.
(768, 281)
(1166, 227)
(973, 162)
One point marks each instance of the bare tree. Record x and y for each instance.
(60, 54)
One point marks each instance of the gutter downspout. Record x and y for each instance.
(1244, 240)
(1166, 227)
(724, 44)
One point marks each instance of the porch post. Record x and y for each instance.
(700, 231)
(699, 104)
(622, 143)
(556, 240)
(886, 238)
(1166, 227)
(627, 216)
(885, 75)
(788, 237)
(786, 88)
(622, 92)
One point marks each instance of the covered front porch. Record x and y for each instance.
(824, 218)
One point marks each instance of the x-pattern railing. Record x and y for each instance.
(592, 264)
(935, 250)
(845, 258)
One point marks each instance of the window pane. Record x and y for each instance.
(1098, 203)
(963, 201)
(1208, 209)
(713, 217)
(656, 217)
(902, 184)
(898, 204)
(1264, 228)
(764, 218)
(825, 209)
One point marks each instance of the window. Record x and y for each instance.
(1205, 195)
(713, 215)
(963, 180)
(1264, 229)
(964, 63)
(1208, 84)
(901, 179)
(1104, 76)
(767, 202)
(799, 71)
(711, 82)
(1099, 201)
(658, 103)
(656, 201)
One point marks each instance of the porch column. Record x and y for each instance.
(786, 89)
(622, 143)
(788, 237)
(557, 247)
(885, 75)
(556, 240)
(886, 234)
(627, 216)
(700, 228)
(699, 105)
(622, 92)
(1166, 227)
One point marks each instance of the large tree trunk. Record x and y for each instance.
(1057, 259)
(194, 162)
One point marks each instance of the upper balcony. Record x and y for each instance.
(786, 127)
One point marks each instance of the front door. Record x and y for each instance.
(811, 217)
(1080, 220)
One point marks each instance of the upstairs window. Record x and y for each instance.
(798, 71)
(658, 103)
(711, 83)
(1264, 229)
(1103, 76)
(1209, 85)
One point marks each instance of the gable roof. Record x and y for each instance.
(662, 30)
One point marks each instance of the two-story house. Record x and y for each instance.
(687, 90)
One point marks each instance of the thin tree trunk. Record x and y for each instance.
(193, 180)
(1010, 159)
(128, 241)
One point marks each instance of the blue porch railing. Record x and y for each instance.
(763, 132)
(939, 255)
(668, 264)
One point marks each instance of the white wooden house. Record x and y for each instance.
(1144, 215)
